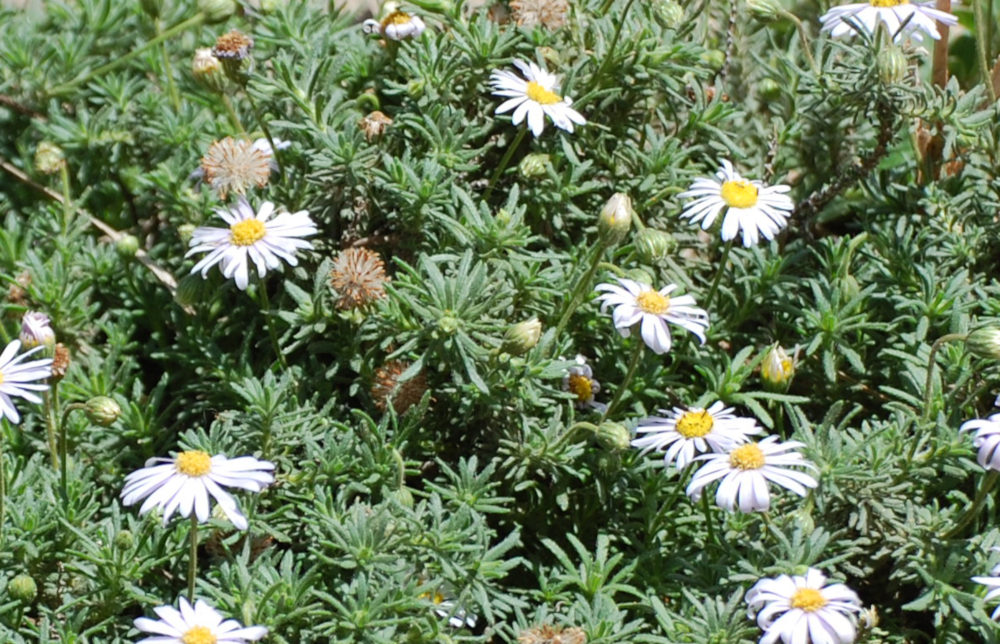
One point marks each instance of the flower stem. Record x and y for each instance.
(64, 488)
(269, 319)
(930, 370)
(572, 430)
(633, 363)
(718, 275)
(988, 482)
(707, 509)
(804, 38)
(983, 46)
(3, 478)
(267, 132)
(193, 556)
(67, 200)
(233, 116)
(578, 289)
(614, 39)
(168, 70)
(504, 161)
(50, 428)
(68, 86)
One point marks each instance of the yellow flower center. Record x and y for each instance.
(747, 457)
(740, 194)
(653, 302)
(695, 424)
(580, 386)
(808, 599)
(194, 463)
(396, 18)
(541, 95)
(782, 373)
(887, 3)
(245, 233)
(199, 635)
(1, 378)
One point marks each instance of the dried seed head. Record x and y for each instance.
(18, 291)
(60, 361)
(374, 125)
(387, 389)
(358, 276)
(547, 634)
(235, 165)
(551, 14)
(234, 45)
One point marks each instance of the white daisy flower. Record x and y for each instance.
(534, 98)
(36, 329)
(637, 303)
(917, 16)
(200, 624)
(684, 433)
(811, 611)
(993, 583)
(183, 484)
(251, 235)
(397, 25)
(745, 471)
(579, 381)
(987, 440)
(751, 207)
(17, 378)
(456, 615)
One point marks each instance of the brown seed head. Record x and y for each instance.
(358, 276)
(551, 14)
(387, 389)
(60, 361)
(374, 125)
(235, 165)
(548, 634)
(234, 45)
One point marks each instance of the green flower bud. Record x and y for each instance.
(616, 219)
(613, 436)
(984, 343)
(153, 8)
(49, 158)
(765, 10)
(533, 165)
(208, 71)
(127, 245)
(189, 290)
(449, 324)
(777, 369)
(551, 56)
(216, 10)
(714, 59)
(639, 275)
(102, 410)
(434, 6)
(185, 231)
(124, 540)
(768, 90)
(653, 245)
(22, 588)
(267, 7)
(521, 337)
(892, 64)
(403, 495)
(669, 13)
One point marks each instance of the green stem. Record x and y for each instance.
(168, 70)
(572, 430)
(68, 86)
(63, 449)
(614, 40)
(578, 289)
(930, 371)
(707, 509)
(50, 429)
(668, 503)
(633, 363)
(267, 132)
(67, 200)
(193, 556)
(3, 478)
(233, 116)
(804, 38)
(504, 161)
(718, 275)
(269, 319)
(982, 46)
(988, 482)
(400, 468)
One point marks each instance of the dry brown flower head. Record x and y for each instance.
(358, 276)
(235, 165)
(551, 14)
(386, 387)
(234, 45)
(548, 634)
(374, 125)
(60, 361)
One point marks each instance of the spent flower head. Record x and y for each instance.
(638, 303)
(801, 609)
(236, 165)
(358, 276)
(534, 97)
(550, 14)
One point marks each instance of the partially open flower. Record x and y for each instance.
(36, 330)
(397, 25)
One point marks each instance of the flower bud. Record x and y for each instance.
(533, 165)
(102, 410)
(777, 369)
(207, 70)
(49, 158)
(669, 13)
(36, 330)
(185, 232)
(653, 245)
(521, 337)
(189, 290)
(892, 64)
(124, 540)
(616, 219)
(216, 10)
(639, 275)
(613, 436)
(22, 588)
(127, 245)
(765, 10)
(768, 90)
(714, 59)
(984, 343)
(153, 8)
(449, 324)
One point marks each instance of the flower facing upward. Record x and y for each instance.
(18, 378)
(200, 624)
(637, 303)
(237, 164)
(987, 440)
(745, 471)
(358, 276)
(182, 484)
(534, 98)
(993, 583)
(810, 610)
(253, 236)
(579, 381)
(234, 45)
(36, 330)
(395, 26)
(549, 13)
(683, 433)
(751, 207)
(918, 16)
